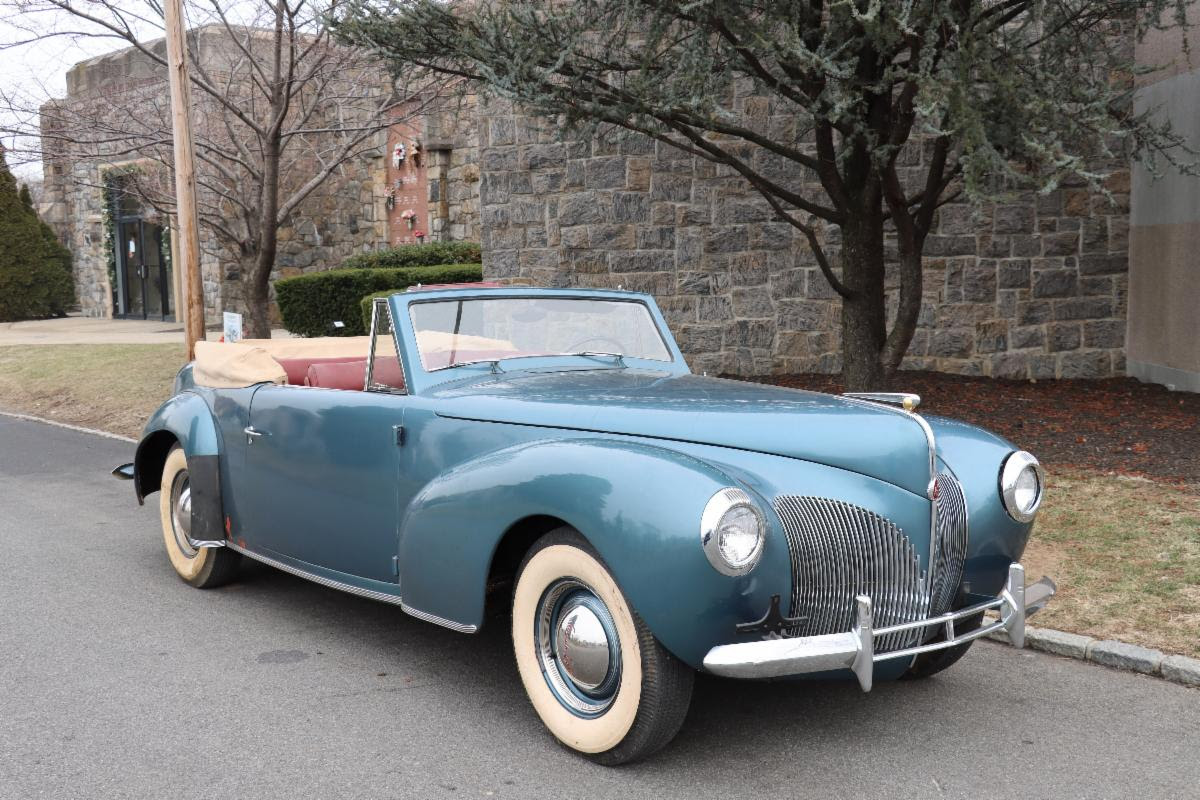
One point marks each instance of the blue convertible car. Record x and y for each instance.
(550, 449)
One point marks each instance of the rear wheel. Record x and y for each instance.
(202, 567)
(595, 674)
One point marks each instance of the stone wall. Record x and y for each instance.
(342, 217)
(452, 141)
(1032, 288)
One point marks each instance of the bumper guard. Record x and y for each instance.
(855, 649)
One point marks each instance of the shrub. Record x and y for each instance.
(368, 301)
(416, 255)
(310, 304)
(35, 270)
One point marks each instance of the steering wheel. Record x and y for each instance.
(578, 347)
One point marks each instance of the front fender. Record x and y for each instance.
(639, 505)
(975, 456)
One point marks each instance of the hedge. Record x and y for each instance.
(416, 255)
(310, 304)
(35, 270)
(368, 301)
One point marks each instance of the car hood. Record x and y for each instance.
(826, 429)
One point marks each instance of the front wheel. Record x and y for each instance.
(594, 672)
(929, 664)
(202, 567)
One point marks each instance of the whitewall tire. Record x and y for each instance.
(203, 568)
(596, 676)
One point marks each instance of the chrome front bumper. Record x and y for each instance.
(855, 649)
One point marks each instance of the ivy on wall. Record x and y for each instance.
(110, 240)
(109, 179)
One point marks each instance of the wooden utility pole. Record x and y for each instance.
(185, 175)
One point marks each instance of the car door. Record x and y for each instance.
(322, 475)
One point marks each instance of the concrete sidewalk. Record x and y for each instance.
(77, 329)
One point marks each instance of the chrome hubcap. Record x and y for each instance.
(578, 648)
(181, 514)
(583, 647)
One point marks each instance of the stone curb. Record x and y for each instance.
(1110, 653)
(57, 424)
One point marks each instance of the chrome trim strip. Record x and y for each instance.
(327, 582)
(906, 399)
(382, 597)
(206, 544)
(436, 620)
(909, 410)
(855, 649)
(370, 373)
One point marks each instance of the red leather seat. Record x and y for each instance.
(350, 375)
(297, 368)
(388, 372)
(337, 374)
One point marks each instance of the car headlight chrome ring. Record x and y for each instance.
(1022, 485)
(732, 532)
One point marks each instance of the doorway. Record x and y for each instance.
(144, 287)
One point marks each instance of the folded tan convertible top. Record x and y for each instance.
(221, 365)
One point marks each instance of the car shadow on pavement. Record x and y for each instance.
(736, 717)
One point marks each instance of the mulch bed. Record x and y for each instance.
(1115, 425)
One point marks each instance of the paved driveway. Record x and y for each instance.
(77, 329)
(118, 680)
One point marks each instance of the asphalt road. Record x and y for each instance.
(118, 680)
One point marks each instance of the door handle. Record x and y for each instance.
(252, 433)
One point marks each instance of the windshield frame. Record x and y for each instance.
(422, 379)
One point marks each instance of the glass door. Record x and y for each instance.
(157, 281)
(145, 277)
(133, 269)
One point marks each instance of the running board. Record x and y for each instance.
(350, 588)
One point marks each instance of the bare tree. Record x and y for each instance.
(279, 109)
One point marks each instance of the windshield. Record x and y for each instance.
(452, 332)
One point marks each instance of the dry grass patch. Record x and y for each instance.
(1125, 553)
(113, 387)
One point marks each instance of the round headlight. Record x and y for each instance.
(732, 531)
(1022, 483)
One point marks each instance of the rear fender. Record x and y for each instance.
(184, 419)
(639, 505)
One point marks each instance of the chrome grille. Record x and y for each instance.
(839, 551)
(951, 535)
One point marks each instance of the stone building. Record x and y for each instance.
(1036, 287)
(122, 248)
(1164, 280)
(1032, 289)
(1045, 286)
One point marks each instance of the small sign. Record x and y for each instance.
(233, 326)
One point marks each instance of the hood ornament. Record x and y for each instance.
(905, 400)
